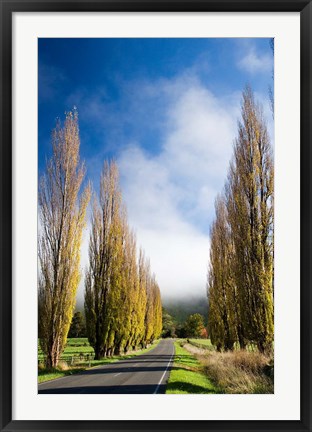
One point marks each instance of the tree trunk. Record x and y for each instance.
(99, 353)
(117, 350)
(48, 361)
(52, 359)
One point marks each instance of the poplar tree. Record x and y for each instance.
(153, 309)
(103, 274)
(142, 304)
(222, 317)
(134, 307)
(250, 197)
(122, 299)
(157, 309)
(62, 214)
(125, 301)
(241, 272)
(149, 313)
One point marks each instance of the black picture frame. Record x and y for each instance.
(8, 7)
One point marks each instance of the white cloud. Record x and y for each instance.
(254, 62)
(170, 196)
(198, 146)
(170, 192)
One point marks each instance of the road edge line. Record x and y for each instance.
(158, 385)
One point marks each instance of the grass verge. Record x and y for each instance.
(64, 369)
(187, 376)
(51, 374)
(202, 343)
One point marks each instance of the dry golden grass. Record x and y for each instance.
(237, 371)
(63, 365)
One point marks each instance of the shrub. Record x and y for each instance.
(62, 365)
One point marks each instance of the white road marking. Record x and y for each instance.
(82, 375)
(164, 373)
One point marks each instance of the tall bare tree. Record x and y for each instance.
(62, 214)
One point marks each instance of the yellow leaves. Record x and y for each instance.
(241, 257)
(62, 217)
(115, 276)
(122, 298)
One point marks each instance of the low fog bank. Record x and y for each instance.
(178, 307)
(181, 308)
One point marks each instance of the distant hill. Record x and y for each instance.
(181, 309)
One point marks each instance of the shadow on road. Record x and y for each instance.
(126, 369)
(124, 389)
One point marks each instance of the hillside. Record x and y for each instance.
(181, 309)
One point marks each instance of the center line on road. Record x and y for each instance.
(163, 373)
(118, 374)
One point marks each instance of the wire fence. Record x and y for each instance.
(72, 360)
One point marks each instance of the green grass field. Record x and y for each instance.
(186, 376)
(74, 347)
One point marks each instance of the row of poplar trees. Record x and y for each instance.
(122, 298)
(241, 269)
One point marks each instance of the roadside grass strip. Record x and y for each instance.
(206, 344)
(64, 369)
(48, 375)
(202, 343)
(187, 376)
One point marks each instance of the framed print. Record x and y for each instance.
(155, 215)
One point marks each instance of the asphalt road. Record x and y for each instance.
(146, 373)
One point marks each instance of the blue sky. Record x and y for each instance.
(167, 111)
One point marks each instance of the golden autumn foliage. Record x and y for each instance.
(121, 297)
(222, 290)
(241, 273)
(62, 212)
